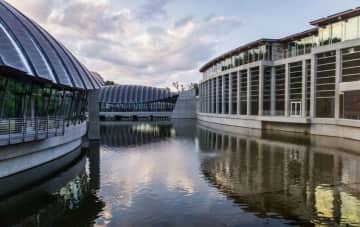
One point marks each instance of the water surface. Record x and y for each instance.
(188, 174)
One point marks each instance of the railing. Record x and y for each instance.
(22, 130)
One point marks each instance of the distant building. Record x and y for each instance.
(307, 82)
(125, 102)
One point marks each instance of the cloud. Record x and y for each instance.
(142, 45)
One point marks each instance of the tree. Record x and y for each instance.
(109, 83)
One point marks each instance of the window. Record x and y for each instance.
(351, 28)
(280, 90)
(243, 92)
(325, 84)
(219, 96)
(234, 92)
(226, 94)
(350, 64)
(267, 91)
(254, 91)
(350, 108)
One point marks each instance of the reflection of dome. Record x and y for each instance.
(27, 48)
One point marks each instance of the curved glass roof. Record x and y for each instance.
(125, 94)
(27, 47)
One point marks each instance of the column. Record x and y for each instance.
(273, 92)
(261, 89)
(312, 96)
(209, 96)
(337, 84)
(217, 95)
(238, 93)
(303, 97)
(248, 92)
(287, 79)
(223, 94)
(93, 109)
(230, 93)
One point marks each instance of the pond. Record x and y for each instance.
(185, 173)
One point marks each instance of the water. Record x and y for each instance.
(183, 174)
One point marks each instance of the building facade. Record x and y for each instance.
(306, 82)
(44, 93)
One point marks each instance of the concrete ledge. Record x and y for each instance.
(18, 158)
(347, 129)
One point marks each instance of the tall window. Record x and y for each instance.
(243, 92)
(219, 90)
(254, 91)
(325, 84)
(234, 92)
(213, 93)
(226, 94)
(280, 90)
(267, 91)
(295, 86)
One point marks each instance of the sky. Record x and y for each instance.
(158, 42)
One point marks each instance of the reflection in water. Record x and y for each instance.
(129, 134)
(178, 173)
(302, 183)
(59, 193)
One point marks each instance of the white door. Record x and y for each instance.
(296, 108)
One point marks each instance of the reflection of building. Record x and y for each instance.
(43, 94)
(62, 193)
(304, 82)
(127, 101)
(298, 182)
(128, 134)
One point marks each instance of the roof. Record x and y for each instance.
(129, 94)
(336, 17)
(237, 50)
(300, 35)
(26, 47)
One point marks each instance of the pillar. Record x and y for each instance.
(273, 92)
(238, 93)
(93, 109)
(217, 95)
(248, 102)
(230, 93)
(312, 96)
(303, 97)
(261, 89)
(337, 84)
(223, 94)
(287, 79)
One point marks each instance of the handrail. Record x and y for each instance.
(22, 130)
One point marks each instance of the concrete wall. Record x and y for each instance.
(321, 127)
(93, 110)
(18, 158)
(186, 106)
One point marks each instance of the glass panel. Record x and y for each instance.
(351, 28)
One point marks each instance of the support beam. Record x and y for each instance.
(248, 92)
(93, 109)
(238, 93)
(273, 92)
(287, 79)
(261, 89)
(313, 81)
(337, 84)
(303, 88)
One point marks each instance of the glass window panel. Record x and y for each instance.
(351, 28)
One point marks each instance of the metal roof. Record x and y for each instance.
(27, 47)
(336, 17)
(127, 94)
